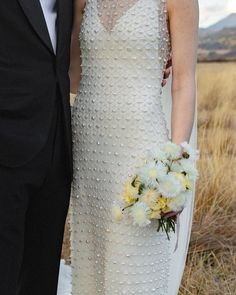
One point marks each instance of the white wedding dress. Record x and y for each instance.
(119, 115)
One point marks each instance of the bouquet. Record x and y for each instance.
(160, 189)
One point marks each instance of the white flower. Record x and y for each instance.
(172, 150)
(186, 148)
(139, 212)
(189, 168)
(176, 167)
(182, 178)
(170, 186)
(150, 196)
(157, 154)
(151, 172)
(117, 212)
(179, 202)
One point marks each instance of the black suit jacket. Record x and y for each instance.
(30, 77)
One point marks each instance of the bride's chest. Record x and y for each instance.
(141, 24)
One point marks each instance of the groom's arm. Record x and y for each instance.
(75, 65)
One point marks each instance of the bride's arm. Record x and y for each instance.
(75, 64)
(183, 21)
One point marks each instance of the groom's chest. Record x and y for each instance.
(37, 19)
(49, 9)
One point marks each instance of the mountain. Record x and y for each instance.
(227, 22)
(218, 41)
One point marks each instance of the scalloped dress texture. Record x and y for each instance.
(118, 118)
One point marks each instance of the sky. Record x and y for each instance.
(213, 10)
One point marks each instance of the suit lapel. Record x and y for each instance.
(34, 13)
(63, 19)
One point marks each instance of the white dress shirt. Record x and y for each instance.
(50, 15)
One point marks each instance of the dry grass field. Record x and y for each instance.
(211, 263)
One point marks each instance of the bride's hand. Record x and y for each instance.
(166, 73)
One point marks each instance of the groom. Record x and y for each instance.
(35, 142)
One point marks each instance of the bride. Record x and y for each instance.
(119, 51)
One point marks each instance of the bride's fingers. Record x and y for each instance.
(163, 84)
(167, 73)
(169, 64)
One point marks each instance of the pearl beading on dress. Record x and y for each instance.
(117, 119)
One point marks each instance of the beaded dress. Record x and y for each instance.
(118, 117)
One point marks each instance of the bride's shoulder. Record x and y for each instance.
(182, 12)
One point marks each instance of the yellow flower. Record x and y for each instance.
(130, 193)
(163, 202)
(161, 205)
(150, 197)
(156, 214)
(186, 183)
(166, 209)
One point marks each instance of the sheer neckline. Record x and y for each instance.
(110, 12)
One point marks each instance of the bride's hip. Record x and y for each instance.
(101, 97)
